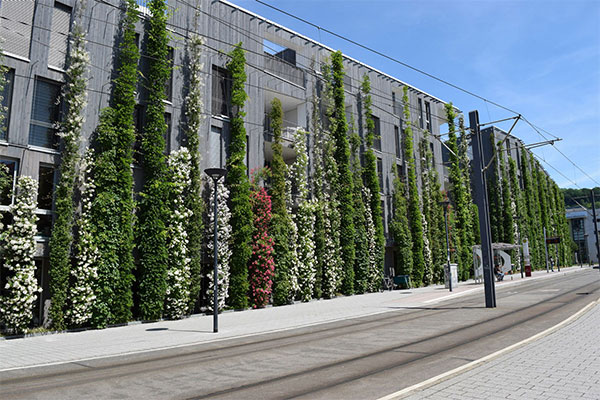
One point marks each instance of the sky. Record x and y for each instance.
(540, 58)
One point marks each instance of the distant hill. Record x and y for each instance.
(582, 196)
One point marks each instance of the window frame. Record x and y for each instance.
(49, 125)
(9, 84)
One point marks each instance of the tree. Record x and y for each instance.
(280, 222)
(21, 289)
(414, 209)
(339, 131)
(194, 109)
(238, 184)
(370, 175)
(153, 210)
(61, 242)
(112, 208)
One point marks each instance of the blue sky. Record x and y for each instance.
(539, 58)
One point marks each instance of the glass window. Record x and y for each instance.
(7, 195)
(59, 35)
(44, 114)
(380, 173)
(428, 115)
(46, 187)
(6, 103)
(377, 138)
(397, 140)
(220, 91)
(167, 135)
(420, 113)
(169, 84)
(215, 147)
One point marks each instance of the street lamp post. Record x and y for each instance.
(215, 174)
(445, 204)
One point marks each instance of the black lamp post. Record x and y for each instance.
(445, 204)
(215, 174)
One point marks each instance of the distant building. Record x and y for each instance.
(581, 223)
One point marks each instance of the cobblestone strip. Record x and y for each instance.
(564, 365)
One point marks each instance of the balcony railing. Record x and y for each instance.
(287, 135)
(284, 69)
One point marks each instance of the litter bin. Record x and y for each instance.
(528, 270)
(454, 273)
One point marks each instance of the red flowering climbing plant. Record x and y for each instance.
(262, 266)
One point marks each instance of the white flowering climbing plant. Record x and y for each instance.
(304, 220)
(223, 240)
(84, 275)
(374, 272)
(22, 288)
(178, 269)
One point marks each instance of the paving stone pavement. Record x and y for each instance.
(76, 346)
(563, 365)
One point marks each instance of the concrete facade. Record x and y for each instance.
(37, 67)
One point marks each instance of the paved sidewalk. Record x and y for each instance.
(136, 338)
(563, 365)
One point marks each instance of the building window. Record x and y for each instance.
(169, 84)
(432, 154)
(215, 147)
(400, 171)
(9, 78)
(428, 116)
(377, 133)
(397, 140)
(7, 196)
(380, 173)
(44, 114)
(383, 216)
(59, 35)
(17, 20)
(420, 113)
(45, 199)
(167, 135)
(220, 91)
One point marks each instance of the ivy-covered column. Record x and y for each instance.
(262, 265)
(304, 219)
(112, 208)
(153, 211)
(61, 242)
(399, 228)
(177, 293)
(280, 221)
(414, 208)
(238, 184)
(361, 241)
(339, 130)
(370, 176)
(194, 109)
(21, 289)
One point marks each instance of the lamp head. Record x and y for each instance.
(215, 173)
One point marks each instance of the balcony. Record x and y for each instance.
(284, 69)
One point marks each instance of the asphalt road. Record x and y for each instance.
(362, 358)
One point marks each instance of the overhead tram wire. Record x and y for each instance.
(428, 75)
(218, 52)
(239, 30)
